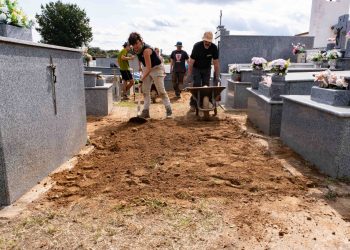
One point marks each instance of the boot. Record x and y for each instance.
(169, 112)
(145, 114)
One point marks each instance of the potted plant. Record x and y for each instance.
(235, 71)
(279, 67)
(299, 51)
(316, 58)
(332, 56)
(258, 65)
(275, 87)
(13, 22)
(332, 89)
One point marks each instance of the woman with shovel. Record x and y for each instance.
(152, 70)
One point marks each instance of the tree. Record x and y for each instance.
(97, 52)
(64, 25)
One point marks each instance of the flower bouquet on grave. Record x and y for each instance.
(258, 63)
(298, 48)
(316, 58)
(327, 79)
(87, 58)
(279, 66)
(235, 71)
(234, 68)
(11, 14)
(332, 54)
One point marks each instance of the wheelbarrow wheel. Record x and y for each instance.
(206, 106)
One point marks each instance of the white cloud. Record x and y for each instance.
(163, 23)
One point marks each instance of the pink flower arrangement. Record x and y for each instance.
(279, 66)
(298, 48)
(258, 63)
(327, 79)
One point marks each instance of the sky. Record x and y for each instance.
(163, 23)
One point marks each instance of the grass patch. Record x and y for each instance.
(151, 203)
(185, 222)
(331, 195)
(7, 243)
(125, 104)
(51, 229)
(34, 221)
(345, 179)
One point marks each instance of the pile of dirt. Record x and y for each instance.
(180, 183)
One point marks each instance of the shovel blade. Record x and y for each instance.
(137, 120)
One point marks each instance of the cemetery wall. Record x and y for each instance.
(105, 62)
(241, 49)
(33, 139)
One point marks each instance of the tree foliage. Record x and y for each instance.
(64, 25)
(97, 52)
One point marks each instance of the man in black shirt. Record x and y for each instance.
(203, 54)
(178, 67)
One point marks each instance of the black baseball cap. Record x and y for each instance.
(178, 43)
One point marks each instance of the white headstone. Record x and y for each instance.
(324, 14)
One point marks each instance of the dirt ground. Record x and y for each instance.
(184, 183)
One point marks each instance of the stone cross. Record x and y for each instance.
(340, 30)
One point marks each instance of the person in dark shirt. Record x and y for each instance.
(178, 68)
(204, 53)
(152, 70)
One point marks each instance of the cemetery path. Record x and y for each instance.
(184, 184)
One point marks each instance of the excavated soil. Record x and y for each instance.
(184, 183)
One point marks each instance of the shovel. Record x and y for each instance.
(138, 119)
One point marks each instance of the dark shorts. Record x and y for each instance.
(126, 75)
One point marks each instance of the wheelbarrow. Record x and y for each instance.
(204, 96)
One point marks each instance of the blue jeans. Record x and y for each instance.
(201, 77)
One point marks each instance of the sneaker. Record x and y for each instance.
(145, 114)
(169, 112)
(192, 109)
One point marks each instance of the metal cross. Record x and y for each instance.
(52, 67)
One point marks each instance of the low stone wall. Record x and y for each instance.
(105, 62)
(34, 140)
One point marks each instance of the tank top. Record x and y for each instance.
(154, 58)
